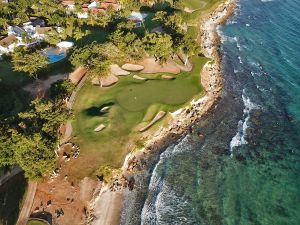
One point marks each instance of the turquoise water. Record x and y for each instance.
(245, 167)
(55, 56)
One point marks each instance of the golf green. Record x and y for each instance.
(132, 103)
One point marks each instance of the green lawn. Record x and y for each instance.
(200, 4)
(196, 4)
(133, 104)
(36, 222)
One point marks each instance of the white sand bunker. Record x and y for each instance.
(152, 66)
(158, 116)
(167, 77)
(118, 71)
(99, 128)
(139, 78)
(105, 81)
(132, 67)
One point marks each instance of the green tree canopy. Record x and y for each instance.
(29, 62)
(158, 45)
(34, 155)
(43, 117)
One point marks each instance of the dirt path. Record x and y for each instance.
(108, 208)
(26, 209)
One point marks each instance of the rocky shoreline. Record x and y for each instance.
(183, 119)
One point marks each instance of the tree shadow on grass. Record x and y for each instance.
(96, 110)
(11, 195)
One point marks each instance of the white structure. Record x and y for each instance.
(138, 18)
(83, 15)
(93, 5)
(65, 44)
(8, 44)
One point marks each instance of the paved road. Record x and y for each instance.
(26, 209)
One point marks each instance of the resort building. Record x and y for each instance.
(31, 33)
(91, 8)
(7, 44)
(137, 18)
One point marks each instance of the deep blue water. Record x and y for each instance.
(246, 169)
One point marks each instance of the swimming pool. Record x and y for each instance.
(54, 54)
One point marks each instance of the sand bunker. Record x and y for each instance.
(158, 116)
(118, 71)
(105, 81)
(132, 67)
(152, 66)
(167, 77)
(99, 128)
(138, 77)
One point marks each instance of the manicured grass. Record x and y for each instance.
(36, 222)
(200, 4)
(196, 4)
(200, 7)
(133, 104)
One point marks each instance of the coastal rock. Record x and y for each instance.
(132, 67)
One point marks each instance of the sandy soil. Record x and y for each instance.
(109, 208)
(132, 67)
(39, 87)
(152, 66)
(118, 71)
(106, 81)
(64, 195)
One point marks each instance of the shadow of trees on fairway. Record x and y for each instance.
(96, 110)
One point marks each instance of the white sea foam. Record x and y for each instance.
(240, 59)
(155, 205)
(240, 137)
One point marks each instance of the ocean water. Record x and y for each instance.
(244, 168)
